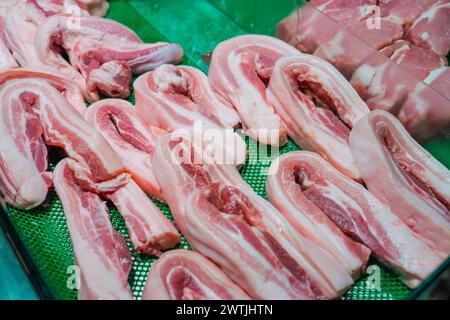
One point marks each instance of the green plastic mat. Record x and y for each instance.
(198, 25)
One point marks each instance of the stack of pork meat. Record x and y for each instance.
(362, 186)
(385, 48)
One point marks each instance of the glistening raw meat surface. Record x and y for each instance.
(100, 252)
(318, 107)
(240, 70)
(322, 191)
(187, 275)
(399, 172)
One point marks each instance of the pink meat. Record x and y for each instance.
(351, 46)
(102, 53)
(185, 172)
(431, 29)
(426, 111)
(318, 107)
(285, 193)
(318, 22)
(100, 252)
(132, 139)
(399, 172)
(97, 8)
(180, 98)
(187, 275)
(149, 230)
(385, 79)
(240, 71)
(357, 213)
(404, 11)
(69, 91)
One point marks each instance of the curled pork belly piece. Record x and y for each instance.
(399, 172)
(240, 70)
(46, 118)
(100, 251)
(185, 181)
(180, 98)
(103, 54)
(67, 88)
(318, 106)
(318, 189)
(187, 275)
(131, 138)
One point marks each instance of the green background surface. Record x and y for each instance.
(198, 26)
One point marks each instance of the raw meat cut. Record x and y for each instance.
(180, 98)
(149, 230)
(318, 22)
(187, 275)
(431, 30)
(240, 70)
(6, 59)
(426, 112)
(399, 172)
(404, 11)
(69, 90)
(285, 193)
(45, 116)
(318, 107)
(321, 190)
(132, 139)
(165, 96)
(189, 181)
(351, 46)
(100, 252)
(385, 79)
(102, 53)
(97, 8)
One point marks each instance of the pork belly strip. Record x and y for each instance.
(180, 98)
(182, 167)
(53, 77)
(100, 252)
(399, 172)
(286, 194)
(131, 138)
(149, 230)
(103, 54)
(359, 214)
(187, 275)
(46, 117)
(318, 107)
(240, 70)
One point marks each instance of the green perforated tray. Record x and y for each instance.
(198, 25)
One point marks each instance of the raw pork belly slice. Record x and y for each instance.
(404, 11)
(174, 97)
(399, 172)
(285, 193)
(359, 215)
(149, 230)
(182, 172)
(132, 139)
(318, 107)
(386, 78)
(69, 90)
(426, 112)
(351, 46)
(6, 59)
(225, 226)
(318, 22)
(240, 71)
(47, 116)
(187, 275)
(180, 98)
(100, 251)
(431, 29)
(102, 53)
(97, 8)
